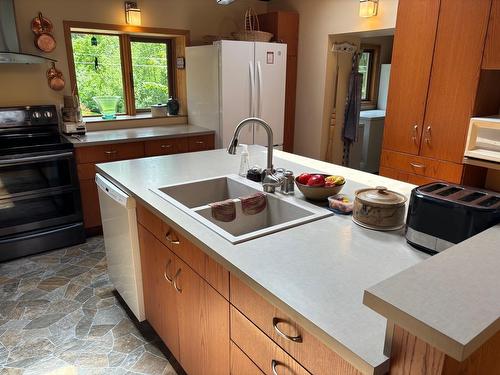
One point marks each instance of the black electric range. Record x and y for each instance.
(40, 206)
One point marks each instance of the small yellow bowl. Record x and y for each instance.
(317, 193)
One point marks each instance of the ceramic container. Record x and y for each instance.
(379, 208)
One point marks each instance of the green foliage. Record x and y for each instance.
(149, 66)
(150, 72)
(106, 80)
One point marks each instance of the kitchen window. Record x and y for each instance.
(135, 66)
(369, 65)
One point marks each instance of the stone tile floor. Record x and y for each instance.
(59, 314)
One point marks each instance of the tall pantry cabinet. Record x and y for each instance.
(436, 66)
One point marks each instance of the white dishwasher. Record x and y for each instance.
(119, 226)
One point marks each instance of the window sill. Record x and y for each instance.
(139, 116)
(96, 123)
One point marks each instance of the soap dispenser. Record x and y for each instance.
(245, 161)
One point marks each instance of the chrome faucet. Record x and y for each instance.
(271, 181)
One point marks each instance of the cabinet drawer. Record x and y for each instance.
(201, 143)
(268, 356)
(166, 146)
(418, 165)
(405, 177)
(111, 152)
(211, 271)
(305, 348)
(241, 364)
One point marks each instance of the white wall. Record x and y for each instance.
(27, 84)
(318, 20)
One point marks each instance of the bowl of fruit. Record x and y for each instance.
(319, 187)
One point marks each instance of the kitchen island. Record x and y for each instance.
(315, 273)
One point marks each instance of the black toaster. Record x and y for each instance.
(442, 214)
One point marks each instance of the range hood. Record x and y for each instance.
(9, 43)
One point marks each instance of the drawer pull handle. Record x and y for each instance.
(199, 142)
(274, 365)
(428, 135)
(165, 274)
(166, 146)
(414, 133)
(277, 321)
(170, 238)
(417, 165)
(110, 152)
(176, 286)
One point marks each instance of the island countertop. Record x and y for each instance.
(101, 137)
(451, 301)
(316, 272)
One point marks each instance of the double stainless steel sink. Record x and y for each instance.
(281, 211)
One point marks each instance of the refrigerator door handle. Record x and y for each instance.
(259, 95)
(252, 89)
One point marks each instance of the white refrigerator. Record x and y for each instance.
(232, 80)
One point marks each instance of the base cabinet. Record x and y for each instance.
(203, 324)
(160, 299)
(190, 316)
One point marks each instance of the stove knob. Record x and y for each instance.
(36, 115)
(48, 114)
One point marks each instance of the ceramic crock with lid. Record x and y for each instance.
(379, 208)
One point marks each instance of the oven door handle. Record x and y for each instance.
(31, 159)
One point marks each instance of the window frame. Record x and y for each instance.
(373, 76)
(176, 39)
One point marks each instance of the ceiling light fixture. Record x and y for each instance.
(224, 2)
(132, 13)
(368, 8)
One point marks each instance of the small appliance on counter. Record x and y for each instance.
(74, 128)
(441, 215)
(72, 116)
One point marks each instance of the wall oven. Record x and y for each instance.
(40, 205)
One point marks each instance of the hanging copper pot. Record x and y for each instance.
(55, 78)
(42, 28)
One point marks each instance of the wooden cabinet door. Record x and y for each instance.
(90, 204)
(455, 76)
(203, 324)
(491, 58)
(411, 67)
(160, 297)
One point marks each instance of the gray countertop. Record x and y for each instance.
(452, 300)
(316, 272)
(136, 134)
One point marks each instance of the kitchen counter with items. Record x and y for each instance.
(103, 137)
(315, 272)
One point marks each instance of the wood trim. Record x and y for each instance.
(128, 81)
(69, 57)
(120, 29)
(373, 76)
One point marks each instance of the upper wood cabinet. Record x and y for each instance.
(436, 66)
(454, 79)
(491, 59)
(411, 68)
